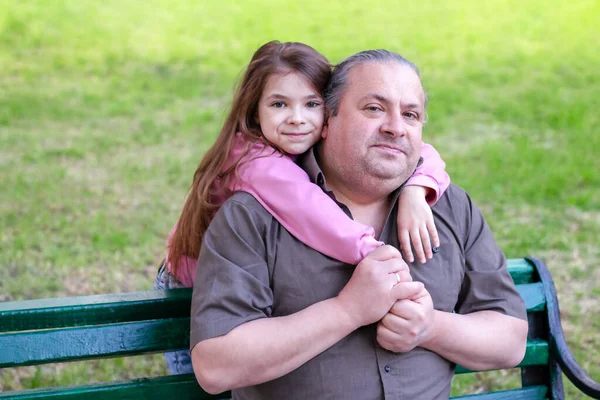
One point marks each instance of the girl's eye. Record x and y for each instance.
(278, 104)
(312, 104)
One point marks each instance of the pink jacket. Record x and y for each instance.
(284, 189)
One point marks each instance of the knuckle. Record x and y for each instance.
(413, 333)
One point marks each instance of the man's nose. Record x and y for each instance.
(394, 125)
(296, 116)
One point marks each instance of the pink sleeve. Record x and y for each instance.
(431, 173)
(284, 189)
(186, 273)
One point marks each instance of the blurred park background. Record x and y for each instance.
(106, 108)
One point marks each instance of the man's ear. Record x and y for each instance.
(324, 131)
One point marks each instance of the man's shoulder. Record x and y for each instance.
(456, 208)
(455, 191)
(454, 197)
(244, 203)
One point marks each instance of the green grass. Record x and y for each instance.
(106, 108)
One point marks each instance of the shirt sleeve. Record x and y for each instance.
(286, 192)
(232, 278)
(431, 174)
(487, 284)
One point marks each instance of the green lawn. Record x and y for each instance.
(107, 106)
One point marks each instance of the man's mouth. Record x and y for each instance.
(390, 148)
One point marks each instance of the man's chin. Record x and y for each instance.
(391, 173)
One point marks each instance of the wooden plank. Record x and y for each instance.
(181, 387)
(521, 271)
(536, 353)
(94, 310)
(533, 295)
(529, 393)
(69, 344)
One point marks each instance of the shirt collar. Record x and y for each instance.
(308, 162)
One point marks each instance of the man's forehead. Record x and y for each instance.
(388, 80)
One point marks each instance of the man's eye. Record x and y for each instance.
(412, 115)
(373, 108)
(278, 104)
(312, 104)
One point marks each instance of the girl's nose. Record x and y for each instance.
(296, 117)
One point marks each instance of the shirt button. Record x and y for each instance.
(435, 249)
(387, 368)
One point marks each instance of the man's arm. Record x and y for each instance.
(480, 341)
(489, 328)
(268, 348)
(235, 340)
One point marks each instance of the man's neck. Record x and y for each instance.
(367, 209)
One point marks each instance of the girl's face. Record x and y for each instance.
(291, 113)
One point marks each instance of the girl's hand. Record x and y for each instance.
(415, 224)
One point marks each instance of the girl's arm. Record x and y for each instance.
(415, 219)
(284, 189)
(431, 174)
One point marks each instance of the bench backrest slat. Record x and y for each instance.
(70, 344)
(521, 271)
(533, 296)
(536, 353)
(94, 310)
(180, 387)
(529, 393)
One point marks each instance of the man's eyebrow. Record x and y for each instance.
(375, 96)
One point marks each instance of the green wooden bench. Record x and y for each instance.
(37, 332)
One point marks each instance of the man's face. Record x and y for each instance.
(377, 131)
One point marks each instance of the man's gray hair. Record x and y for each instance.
(339, 77)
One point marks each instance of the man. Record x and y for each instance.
(272, 318)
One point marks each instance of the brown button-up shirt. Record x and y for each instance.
(251, 267)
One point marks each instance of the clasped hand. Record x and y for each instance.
(381, 289)
(407, 324)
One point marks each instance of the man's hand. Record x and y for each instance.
(373, 288)
(415, 224)
(407, 324)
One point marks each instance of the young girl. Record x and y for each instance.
(277, 114)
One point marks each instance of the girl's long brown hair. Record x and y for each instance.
(201, 203)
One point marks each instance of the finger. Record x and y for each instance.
(393, 265)
(390, 325)
(405, 245)
(405, 276)
(385, 337)
(403, 310)
(400, 276)
(405, 290)
(418, 246)
(426, 242)
(384, 253)
(433, 233)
